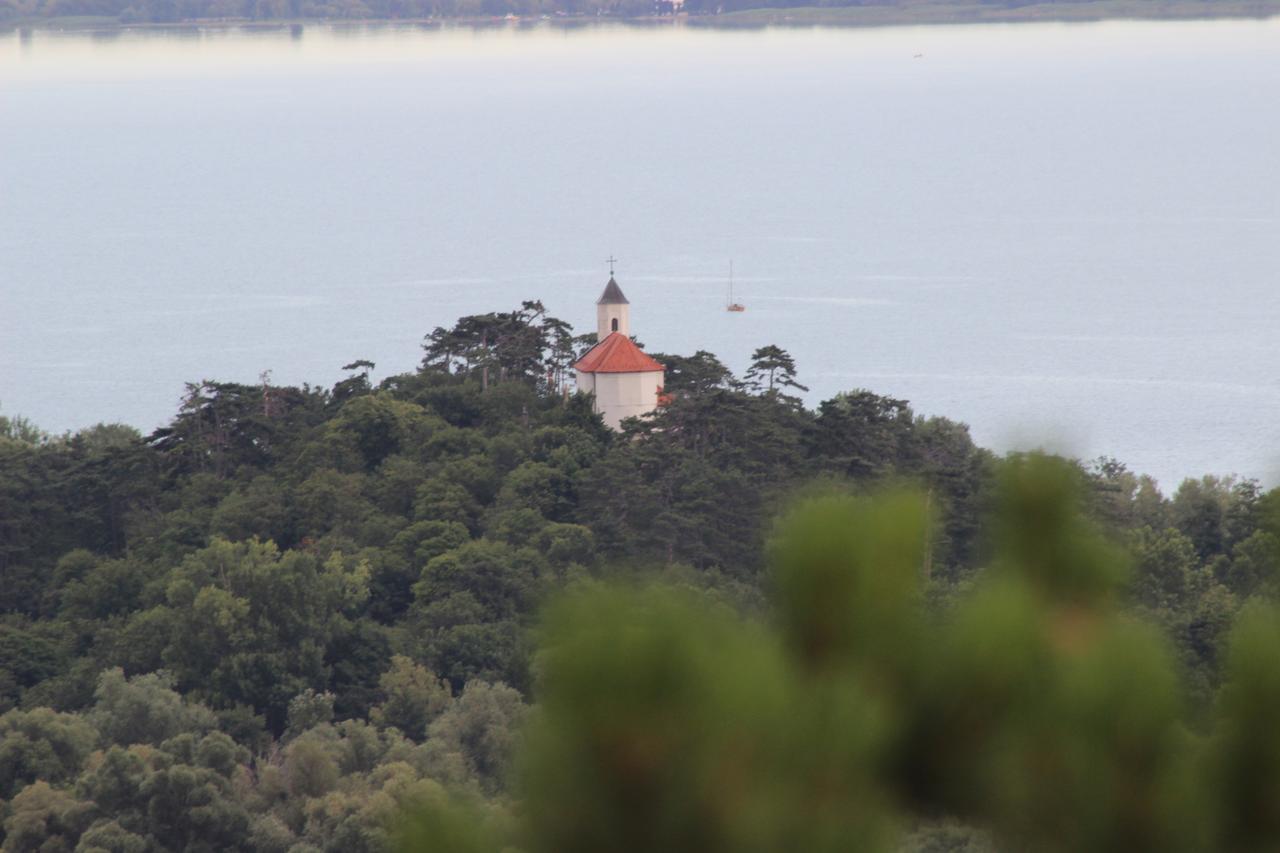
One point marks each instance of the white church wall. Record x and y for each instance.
(625, 395)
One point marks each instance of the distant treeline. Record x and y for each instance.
(174, 11)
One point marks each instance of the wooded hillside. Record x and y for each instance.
(273, 622)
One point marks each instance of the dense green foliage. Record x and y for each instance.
(274, 622)
(1033, 707)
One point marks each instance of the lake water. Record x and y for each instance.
(1061, 234)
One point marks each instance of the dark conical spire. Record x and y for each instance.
(612, 294)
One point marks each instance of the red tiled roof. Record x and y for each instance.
(616, 354)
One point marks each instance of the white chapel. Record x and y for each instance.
(625, 382)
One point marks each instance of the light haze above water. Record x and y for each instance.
(1060, 234)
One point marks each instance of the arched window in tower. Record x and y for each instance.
(614, 325)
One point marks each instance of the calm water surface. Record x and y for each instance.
(1060, 234)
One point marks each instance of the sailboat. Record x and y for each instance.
(733, 306)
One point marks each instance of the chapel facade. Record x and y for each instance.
(623, 380)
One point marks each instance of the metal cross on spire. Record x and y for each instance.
(611, 260)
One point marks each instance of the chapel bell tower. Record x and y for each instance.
(613, 312)
(622, 381)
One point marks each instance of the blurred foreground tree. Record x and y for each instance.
(1032, 709)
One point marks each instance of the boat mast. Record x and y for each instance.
(733, 306)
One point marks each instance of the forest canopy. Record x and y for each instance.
(293, 613)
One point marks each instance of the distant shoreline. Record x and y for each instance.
(922, 14)
(1087, 11)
